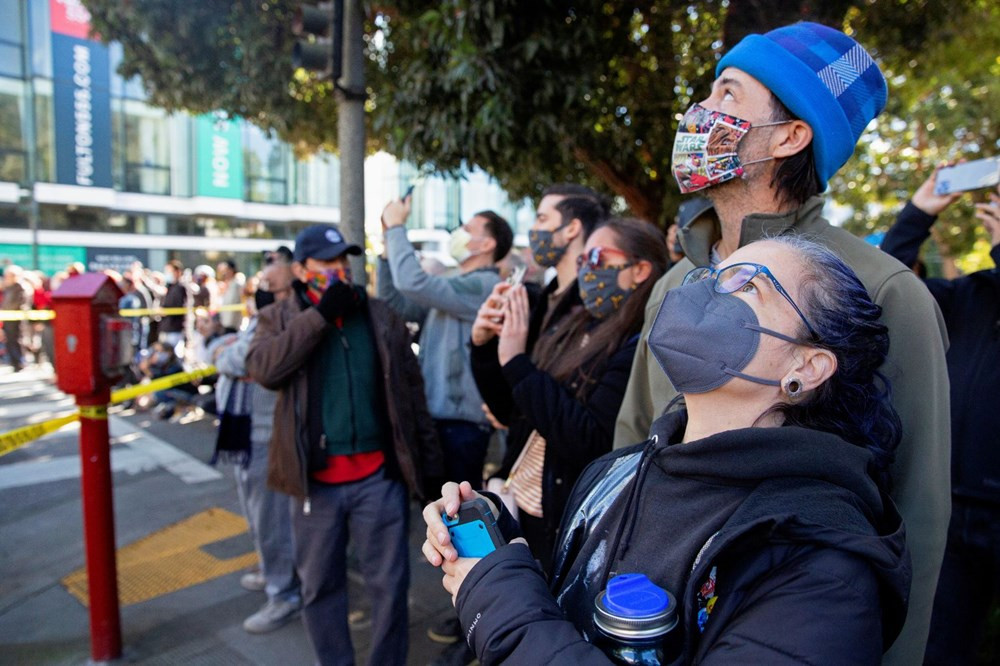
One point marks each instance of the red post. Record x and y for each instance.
(99, 526)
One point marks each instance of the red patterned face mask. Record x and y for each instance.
(705, 148)
(317, 281)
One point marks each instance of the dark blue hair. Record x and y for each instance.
(856, 402)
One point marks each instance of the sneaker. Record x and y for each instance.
(446, 631)
(456, 654)
(253, 581)
(274, 614)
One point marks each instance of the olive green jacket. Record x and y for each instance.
(915, 366)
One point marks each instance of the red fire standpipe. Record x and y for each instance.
(99, 527)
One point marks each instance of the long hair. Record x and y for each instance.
(559, 353)
(856, 402)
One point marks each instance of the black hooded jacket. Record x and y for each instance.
(971, 309)
(784, 527)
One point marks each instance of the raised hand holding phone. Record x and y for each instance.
(489, 318)
(965, 176)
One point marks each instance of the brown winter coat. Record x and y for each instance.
(281, 356)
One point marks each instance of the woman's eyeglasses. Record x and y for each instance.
(596, 256)
(733, 278)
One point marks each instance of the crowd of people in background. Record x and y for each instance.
(207, 307)
(751, 409)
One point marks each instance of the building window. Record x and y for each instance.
(317, 180)
(13, 157)
(11, 39)
(141, 148)
(44, 131)
(266, 167)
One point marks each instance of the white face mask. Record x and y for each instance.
(458, 245)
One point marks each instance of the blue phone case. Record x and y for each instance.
(474, 531)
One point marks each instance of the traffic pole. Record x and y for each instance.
(99, 526)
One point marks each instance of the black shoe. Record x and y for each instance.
(456, 654)
(446, 631)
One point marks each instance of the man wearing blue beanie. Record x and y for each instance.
(785, 112)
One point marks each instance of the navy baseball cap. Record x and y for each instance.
(323, 242)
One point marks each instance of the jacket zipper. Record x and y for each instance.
(302, 455)
(350, 391)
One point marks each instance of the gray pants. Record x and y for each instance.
(373, 513)
(267, 512)
(12, 331)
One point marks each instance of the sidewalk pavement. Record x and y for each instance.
(182, 547)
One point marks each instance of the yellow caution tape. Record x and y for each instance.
(26, 315)
(160, 384)
(144, 312)
(95, 412)
(15, 439)
(46, 315)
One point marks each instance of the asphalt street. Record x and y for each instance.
(182, 546)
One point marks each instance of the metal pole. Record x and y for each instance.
(351, 134)
(99, 527)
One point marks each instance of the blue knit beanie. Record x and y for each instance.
(824, 77)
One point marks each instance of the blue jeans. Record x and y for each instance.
(464, 445)
(968, 585)
(267, 513)
(374, 514)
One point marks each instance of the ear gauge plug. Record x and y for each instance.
(792, 387)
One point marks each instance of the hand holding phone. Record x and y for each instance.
(474, 531)
(489, 318)
(968, 176)
(516, 276)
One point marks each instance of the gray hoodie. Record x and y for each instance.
(448, 306)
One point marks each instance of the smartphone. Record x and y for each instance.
(408, 192)
(516, 276)
(474, 531)
(968, 176)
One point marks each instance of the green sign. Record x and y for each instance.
(51, 258)
(220, 156)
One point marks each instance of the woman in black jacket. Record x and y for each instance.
(570, 387)
(761, 505)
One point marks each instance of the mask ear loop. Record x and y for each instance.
(764, 159)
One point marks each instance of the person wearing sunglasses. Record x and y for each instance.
(759, 502)
(570, 385)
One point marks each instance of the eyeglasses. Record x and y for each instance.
(596, 256)
(735, 277)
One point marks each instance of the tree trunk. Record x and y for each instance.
(640, 203)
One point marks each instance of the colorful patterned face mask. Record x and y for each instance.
(317, 281)
(545, 252)
(599, 290)
(705, 148)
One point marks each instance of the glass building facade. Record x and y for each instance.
(90, 172)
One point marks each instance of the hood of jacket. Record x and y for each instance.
(791, 485)
(808, 487)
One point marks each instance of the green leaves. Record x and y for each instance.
(590, 91)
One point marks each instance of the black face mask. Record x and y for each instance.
(262, 299)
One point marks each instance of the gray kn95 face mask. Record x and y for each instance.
(702, 339)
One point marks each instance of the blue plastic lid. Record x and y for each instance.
(634, 595)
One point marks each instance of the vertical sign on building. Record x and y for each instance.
(220, 156)
(82, 98)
